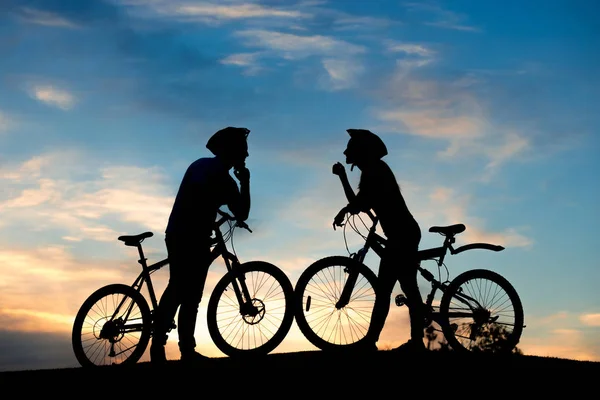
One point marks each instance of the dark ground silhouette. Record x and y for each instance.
(312, 374)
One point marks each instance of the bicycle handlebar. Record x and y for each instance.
(227, 216)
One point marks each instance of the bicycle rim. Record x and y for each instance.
(261, 328)
(318, 290)
(112, 327)
(482, 312)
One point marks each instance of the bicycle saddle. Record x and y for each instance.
(134, 240)
(448, 230)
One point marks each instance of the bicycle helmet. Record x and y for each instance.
(364, 144)
(227, 140)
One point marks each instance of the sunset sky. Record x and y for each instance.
(489, 111)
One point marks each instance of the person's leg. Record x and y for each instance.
(386, 279)
(169, 302)
(414, 301)
(408, 283)
(197, 264)
(188, 311)
(165, 313)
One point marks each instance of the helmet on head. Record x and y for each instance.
(365, 145)
(228, 140)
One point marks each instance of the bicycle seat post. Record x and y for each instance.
(142, 259)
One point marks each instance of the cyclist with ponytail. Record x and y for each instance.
(379, 192)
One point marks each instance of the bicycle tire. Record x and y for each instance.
(93, 346)
(316, 294)
(480, 333)
(238, 335)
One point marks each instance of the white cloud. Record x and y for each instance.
(32, 197)
(562, 343)
(342, 73)
(42, 287)
(411, 49)
(214, 12)
(53, 96)
(442, 18)
(45, 18)
(452, 208)
(248, 61)
(44, 194)
(28, 169)
(514, 144)
(590, 319)
(235, 11)
(445, 110)
(341, 68)
(240, 59)
(347, 22)
(291, 46)
(434, 123)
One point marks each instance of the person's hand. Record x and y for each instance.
(242, 174)
(339, 218)
(338, 169)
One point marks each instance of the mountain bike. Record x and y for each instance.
(479, 309)
(249, 310)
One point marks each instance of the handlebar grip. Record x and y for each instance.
(242, 224)
(228, 216)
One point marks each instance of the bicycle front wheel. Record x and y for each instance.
(260, 323)
(112, 327)
(481, 311)
(325, 323)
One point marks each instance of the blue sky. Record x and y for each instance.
(489, 112)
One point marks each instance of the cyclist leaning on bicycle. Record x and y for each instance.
(206, 186)
(380, 192)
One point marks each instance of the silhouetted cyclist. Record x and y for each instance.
(380, 192)
(206, 186)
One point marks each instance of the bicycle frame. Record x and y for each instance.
(219, 249)
(144, 276)
(377, 243)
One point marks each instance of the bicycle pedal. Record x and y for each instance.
(400, 300)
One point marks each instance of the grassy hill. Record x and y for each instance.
(315, 373)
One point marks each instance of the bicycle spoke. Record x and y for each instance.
(341, 326)
(112, 327)
(258, 324)
(482, 313)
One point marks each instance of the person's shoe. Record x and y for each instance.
(412, 346)
(193, 357)
(157, 354)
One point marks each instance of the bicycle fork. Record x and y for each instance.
(351, 281)
(249, 307)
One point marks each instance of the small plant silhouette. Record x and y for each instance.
(491, 339)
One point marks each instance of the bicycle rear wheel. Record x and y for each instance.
(481, 311)
(318, 290)
(261, 327)
(112, 327)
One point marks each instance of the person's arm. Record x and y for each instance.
(355, 200)
(240, 207)
(339, 170)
